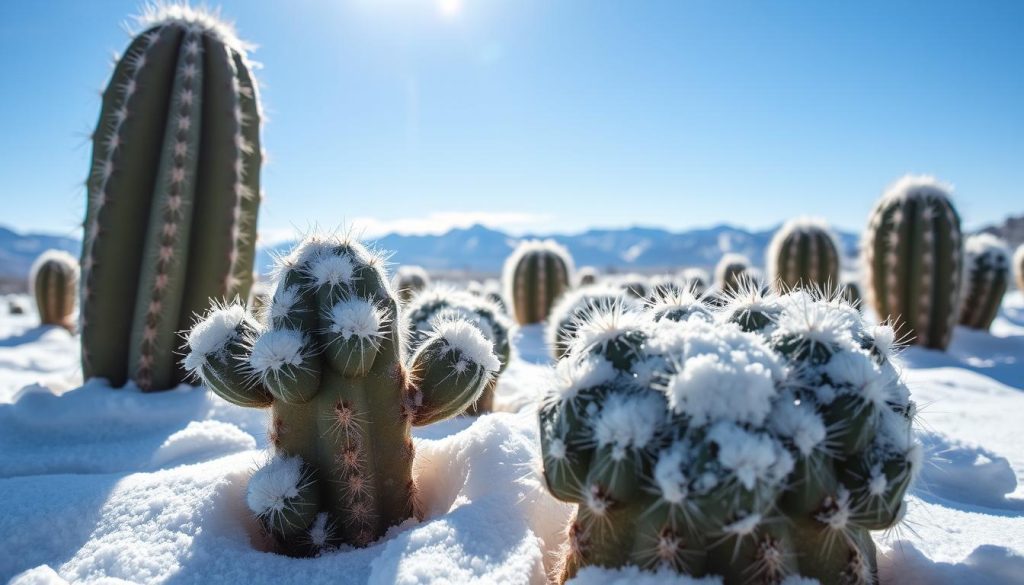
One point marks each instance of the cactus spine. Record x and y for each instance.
(731, 273)
(713, 443)
(410, 280)
(53, 282)
(331, 364)
(849, 291)
(913, 260)
(535, 275)
(987, 262)
(803, 253)
(172, 197)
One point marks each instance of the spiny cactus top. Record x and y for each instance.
(535, 275)
(987, 263)
(172, 195)
(913, 260)
(409, 280)
(576, 306)
(438, 305)
(696, 280)
(53, 281)
(634, 285)
(731, 272)
(586, 275)
(332, 364)
(803, 253)
(755, 443)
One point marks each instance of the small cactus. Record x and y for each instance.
(15, 307)
(172, 196)
(434, 307)
(696, 280)
(535, 275)
(913, 261)
(634, 285)
(803, 253)
(576, 306)
(586, 276)
(332, 365)
(850, 292)
(732, 272)
(53, 281)
(410, 280)
(987, 263)
(721, 444)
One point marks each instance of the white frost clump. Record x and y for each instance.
(331, 269)
(469, 342)
(669, 476)
(283, 302)
(357, 317)
(571, 376)
(276, 349)
(273, 485)
(212, 334)
(628, 421)
(799, 423)
(751, 457)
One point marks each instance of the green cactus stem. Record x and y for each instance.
(803, 253)
(535, 275)
(987, 263)
(53, 282)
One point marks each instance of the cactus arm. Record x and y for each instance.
(249, 175)
(448, 382)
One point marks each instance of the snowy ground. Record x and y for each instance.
(108, 485)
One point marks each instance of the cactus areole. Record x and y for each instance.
(173, 195)
(330, 360)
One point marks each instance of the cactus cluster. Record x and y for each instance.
(535, 275)
(987, 266)
(173, 194)
(913, 261)
(331, 363)
(410, 280)
(439, 305)
(803, 253)
(53, 282)
(760, 441)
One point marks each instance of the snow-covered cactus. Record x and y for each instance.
(732, 272)
(576, 306)
(696, 280)
(535, 275)
(756, 450)
(172, 196)
(53, 281)
(333, 366)
(489, 289)
(913, 260)
(15, 307)
(987, 265)
(586, 276)
(410, 280)
(803, 253)
(634, 285)
(438, 305)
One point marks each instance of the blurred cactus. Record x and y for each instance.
(535, 275)
(576, 306)
(409, 280)
(437, 305)
(331, 365)
(699, 447)
(696, 280)
(913, 261)
(987, 265)
(803, 253)
(732, 272)
(53, 281)
(586, 276)
(634, 285)
(15, 307)
(172, 197)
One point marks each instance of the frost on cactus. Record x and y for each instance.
(330, 360)
(576, 306)
(173, 194)
(986, 278)
(721, 443)
(410, 280)
(586, 276)
(53, 282)
(439, 305)
(803, 253)
(534, 276)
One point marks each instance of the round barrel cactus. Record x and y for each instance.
(576, 306)
(732, 272)
(803, 253)
(410, 280)
(1018, 266)
(696, 280)
(586, 276)
(53, 282)
(535, 275)
(759, 442)
(913, 261)
(172, 196)
(987, 265)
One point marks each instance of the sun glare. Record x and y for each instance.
(449, 8)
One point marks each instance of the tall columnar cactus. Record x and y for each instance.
(535, 275)
(586, 276)
(410, 280)
(732, 272)
(172, 196)
(53, 281)
(577, 305)
(332, 366)
(803, 253)
(913, 260)
(437, 306)
(987, 263)
(755, 451)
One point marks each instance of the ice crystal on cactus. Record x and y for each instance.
(759, 441)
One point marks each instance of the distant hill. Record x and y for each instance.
(1011, 230)
(19, 251)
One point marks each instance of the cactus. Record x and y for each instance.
(577, 305)
(172, 196)
(409, 280)
(586, 276)
(15, 307)
(803, 253)
(849, 291)
(696, 280)
(731, 273)
(53, 282)
(1018, 266)
(634, 285)
(534, 276)
(489, 289)
(756, 452)
(987, 263)
(913, 261)
(438, 305)
(332, 365)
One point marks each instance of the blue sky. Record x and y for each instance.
(559, 115)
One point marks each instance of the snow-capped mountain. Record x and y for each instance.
(18, 251)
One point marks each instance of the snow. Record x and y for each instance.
(357, 317)
(118, 485)
(276, 348)
(467, 339)
(212, 333)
